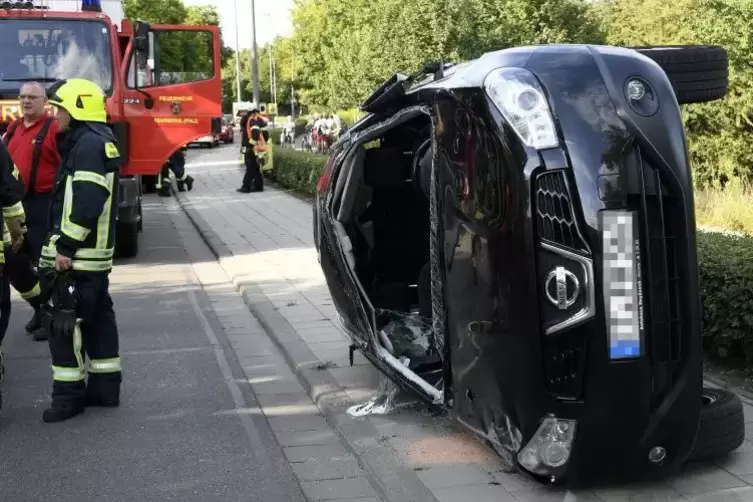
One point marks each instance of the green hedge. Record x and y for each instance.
(726, 268)
(296, 169)
(275, 133)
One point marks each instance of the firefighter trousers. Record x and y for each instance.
(5, 307)
(37, 208)
(163, 178)
(253, 179)
(22, 275)
(95, 336)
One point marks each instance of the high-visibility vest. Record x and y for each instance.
(260, 146)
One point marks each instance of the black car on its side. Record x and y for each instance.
(513, 238)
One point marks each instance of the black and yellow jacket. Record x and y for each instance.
(84, 207)
(11, 193)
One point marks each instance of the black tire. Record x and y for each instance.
(127, 240)
(698, 73)
(722, 425)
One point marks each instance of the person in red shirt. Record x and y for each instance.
(32, 144)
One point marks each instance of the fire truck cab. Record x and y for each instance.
(162, 82)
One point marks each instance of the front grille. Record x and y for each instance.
(555, 216)
(661, 217)
(564, 361)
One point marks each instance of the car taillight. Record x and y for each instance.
(325, 178)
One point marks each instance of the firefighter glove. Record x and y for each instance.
(59, 313)
(17, 228)
(59, 323)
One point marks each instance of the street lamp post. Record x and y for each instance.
(237, 56)
(254, 55)
(292, 85)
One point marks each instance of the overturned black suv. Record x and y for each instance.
(513, 238)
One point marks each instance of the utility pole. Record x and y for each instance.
(237, 56)
(271, 73)
(274, 81)
(292, 85)
(254, 55)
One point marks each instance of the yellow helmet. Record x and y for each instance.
(82, 99)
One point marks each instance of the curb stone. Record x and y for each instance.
(393, 481)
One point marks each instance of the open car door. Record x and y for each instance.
(172, 93)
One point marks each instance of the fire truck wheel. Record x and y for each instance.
(722, 427)
(698, 73)
(127, 240)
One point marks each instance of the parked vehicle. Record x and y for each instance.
(513, 238)
(209, 141)
(227, 135)
(150, 112)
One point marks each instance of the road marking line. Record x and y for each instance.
(215, 163)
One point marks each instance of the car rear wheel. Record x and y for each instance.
(127, 240)
(698, 73)
(722, 425)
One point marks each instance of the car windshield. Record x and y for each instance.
(46, 50)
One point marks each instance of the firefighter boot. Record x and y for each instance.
(185, 183)
(67, 401)
(35, 328)
(102, 392)
(164, 190)
(61, 410)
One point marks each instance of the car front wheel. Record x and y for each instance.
(722, 425)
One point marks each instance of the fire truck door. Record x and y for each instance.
(172, 93)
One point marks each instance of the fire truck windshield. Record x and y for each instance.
(46, 50)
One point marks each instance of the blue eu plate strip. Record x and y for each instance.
(625, 349)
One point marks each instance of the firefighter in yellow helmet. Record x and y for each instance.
(77, 257)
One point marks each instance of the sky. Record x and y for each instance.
(272, 19)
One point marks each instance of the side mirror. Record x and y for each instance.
(141, 37)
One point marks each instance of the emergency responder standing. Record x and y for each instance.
(177, 164)
(77, 257)
(253, 181)
(32, 144)
(14, 228)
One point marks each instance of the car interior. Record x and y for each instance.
(382, 201)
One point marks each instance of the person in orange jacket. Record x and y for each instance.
(254, 154)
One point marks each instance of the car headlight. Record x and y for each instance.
(520, 99)
(548, 451)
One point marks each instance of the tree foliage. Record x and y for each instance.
(184, 52)
(347, 47)
(719, 132)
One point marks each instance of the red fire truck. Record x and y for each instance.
(163, 82)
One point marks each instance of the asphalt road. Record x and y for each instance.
(179, 433)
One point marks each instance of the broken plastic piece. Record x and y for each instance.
(383, 402)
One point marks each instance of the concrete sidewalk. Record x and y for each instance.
(264, 243)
